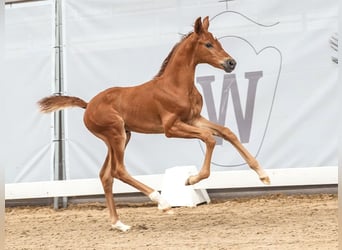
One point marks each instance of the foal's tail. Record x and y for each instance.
(54, 103)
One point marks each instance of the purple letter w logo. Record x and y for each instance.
(244, 122)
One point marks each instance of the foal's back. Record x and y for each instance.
(134, 106)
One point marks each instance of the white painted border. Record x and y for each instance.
(217, 180)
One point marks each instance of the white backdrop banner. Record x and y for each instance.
(26, 136)
(281, 100)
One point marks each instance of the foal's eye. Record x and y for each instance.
(208, 45)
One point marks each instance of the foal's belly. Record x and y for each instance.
(143, 122)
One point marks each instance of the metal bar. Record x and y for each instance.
(59, 131)
(21, 1)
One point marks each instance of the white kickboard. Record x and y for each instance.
(176, 193)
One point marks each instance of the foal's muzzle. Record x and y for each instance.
(229, 65)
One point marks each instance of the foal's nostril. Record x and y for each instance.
(229, 65)
(232, 63)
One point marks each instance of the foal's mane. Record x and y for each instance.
(167, 59)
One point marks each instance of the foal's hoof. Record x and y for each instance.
(188, 181)
(120, 226)
(266, 180)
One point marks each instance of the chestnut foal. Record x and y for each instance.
(169, 104)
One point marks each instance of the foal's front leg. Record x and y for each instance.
(183, 130)
(228, 135)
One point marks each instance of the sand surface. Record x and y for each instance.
(268, 222)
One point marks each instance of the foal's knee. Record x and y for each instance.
(229, 135)
(209, 140)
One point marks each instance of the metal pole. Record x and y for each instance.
(59, 132)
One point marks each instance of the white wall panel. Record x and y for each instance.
(123, 43)
(26, 141)
(109, 45)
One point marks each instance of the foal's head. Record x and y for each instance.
(209, 49)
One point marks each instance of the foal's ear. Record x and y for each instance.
(198, 26)
(206, 23)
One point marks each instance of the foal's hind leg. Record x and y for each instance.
(116, 139)
(118, 144)
(107, 183)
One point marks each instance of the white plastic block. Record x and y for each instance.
(176, 193)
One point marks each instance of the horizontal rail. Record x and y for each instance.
(222, 179)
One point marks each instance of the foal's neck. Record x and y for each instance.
(180, 71)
